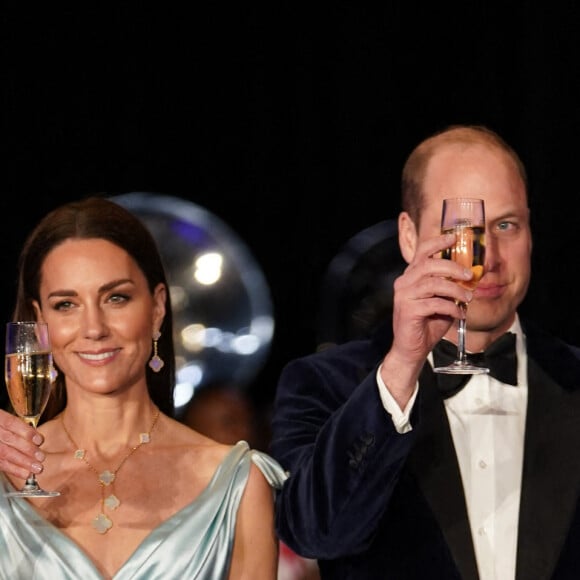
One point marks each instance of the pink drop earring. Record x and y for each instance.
(156, 363)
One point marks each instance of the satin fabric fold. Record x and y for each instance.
(196, 542)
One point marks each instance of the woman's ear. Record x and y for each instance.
(407, 237)
(160, 299)
(37, 311)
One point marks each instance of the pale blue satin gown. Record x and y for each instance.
(195, 543)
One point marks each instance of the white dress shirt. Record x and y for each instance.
(487, 421)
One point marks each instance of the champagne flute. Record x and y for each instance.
(465, 217)
(28, 373)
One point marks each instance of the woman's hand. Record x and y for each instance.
(19, 452)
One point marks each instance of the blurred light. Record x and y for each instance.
(213, 337)
(188, 378)
(208, 268)
(225, 343)
(182, 394)
(222, 310)
(263, 328)
(179, 299)
(246, 344)
(193, 337)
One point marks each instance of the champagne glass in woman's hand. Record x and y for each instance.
(465, 217)
(28, 372)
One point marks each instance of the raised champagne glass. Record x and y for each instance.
(28, 372)
(465, 217)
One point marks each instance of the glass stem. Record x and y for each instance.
(31, 483)
(461, 356)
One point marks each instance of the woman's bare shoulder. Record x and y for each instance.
(205, 452)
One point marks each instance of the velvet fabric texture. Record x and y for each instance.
(368, 502)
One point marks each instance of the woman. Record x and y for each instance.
(142, 495)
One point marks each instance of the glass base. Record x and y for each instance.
(32, 493)
(31, 489)
(459, 368)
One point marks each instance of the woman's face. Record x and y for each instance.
(100, 313)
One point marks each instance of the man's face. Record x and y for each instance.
(487, 173)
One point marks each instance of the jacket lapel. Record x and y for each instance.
(551, 471)
(434, 463)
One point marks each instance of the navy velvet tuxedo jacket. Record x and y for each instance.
(368, 502)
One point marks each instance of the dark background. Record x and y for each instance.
(291, 124)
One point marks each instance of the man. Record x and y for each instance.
(391, 477)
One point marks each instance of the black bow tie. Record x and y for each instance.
(500, 357)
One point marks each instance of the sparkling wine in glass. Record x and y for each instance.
(28, 372)
(465, 217)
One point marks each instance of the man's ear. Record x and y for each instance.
(407, 237)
